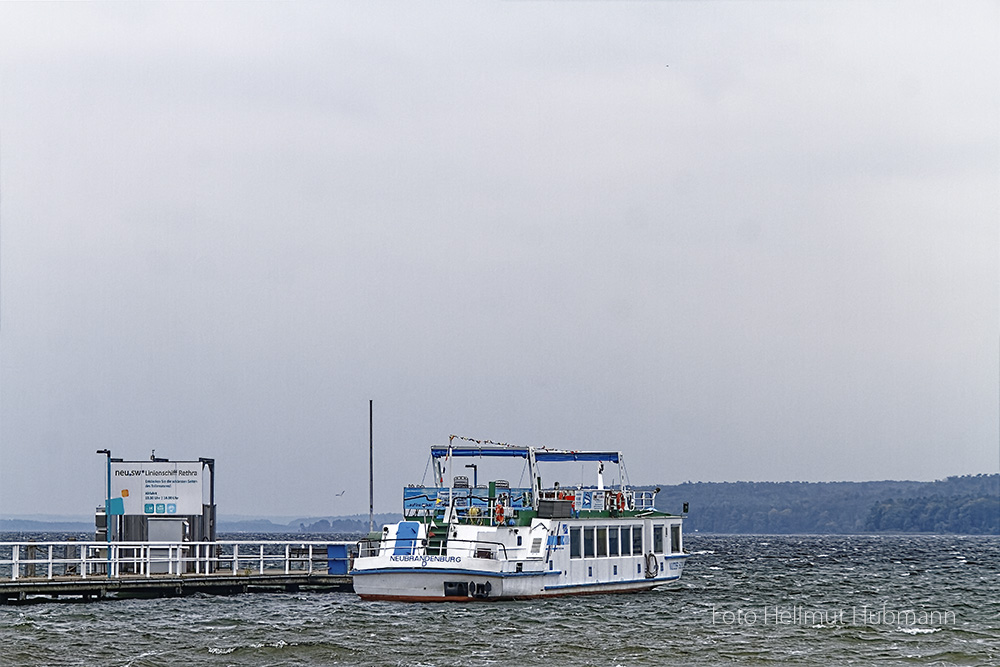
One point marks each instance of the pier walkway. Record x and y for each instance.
(39, 571)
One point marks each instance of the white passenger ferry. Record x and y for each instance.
(460, 541)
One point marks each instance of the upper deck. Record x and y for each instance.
(518, 505)
(453, 499)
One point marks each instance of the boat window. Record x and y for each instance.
(588, 542)
(637, 540)
(626, 540)
(675, 539)
(602, 541)
(575, 545)
(613, 541)
(658, 539)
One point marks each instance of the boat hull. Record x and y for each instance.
(424, 589)
(455, 584)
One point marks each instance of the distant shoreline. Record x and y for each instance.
(965, 505)
(961, 505)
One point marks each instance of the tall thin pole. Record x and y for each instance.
(107, 514)
(371, 472)
(107, 508)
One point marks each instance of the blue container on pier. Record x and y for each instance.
(337, 558)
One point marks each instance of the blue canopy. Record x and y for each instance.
(555, 455)
(440, 451)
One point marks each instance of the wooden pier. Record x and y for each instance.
(50, 571)
(62, 588)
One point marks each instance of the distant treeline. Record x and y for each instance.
(352, 524)
(969, 505)
(26, 525)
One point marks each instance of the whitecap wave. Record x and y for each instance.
(919, 631)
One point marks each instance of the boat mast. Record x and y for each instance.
(449, 513)
(536, 481)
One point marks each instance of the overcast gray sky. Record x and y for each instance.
(737, 240)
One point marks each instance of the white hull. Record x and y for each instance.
(428, 586)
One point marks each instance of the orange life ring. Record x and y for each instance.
(499, 512)
(620, 501)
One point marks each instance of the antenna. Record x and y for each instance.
(1, 233)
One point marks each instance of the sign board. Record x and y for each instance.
(114, 506)
(151, 488)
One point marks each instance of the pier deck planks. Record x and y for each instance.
(40, 589)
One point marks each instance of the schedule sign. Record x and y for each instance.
(158, 488)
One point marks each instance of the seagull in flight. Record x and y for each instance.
(337, 495)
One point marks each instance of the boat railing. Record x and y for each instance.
(477, 548)
(432, 498)
(369, 547)
(591, 498)
(476, 505)
(83, 560)
(410, 546)
(645, 500)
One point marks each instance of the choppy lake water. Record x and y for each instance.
(791, 600)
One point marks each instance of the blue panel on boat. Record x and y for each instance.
(406, 538)
(431, 498)
(520, 498)
(422, 498)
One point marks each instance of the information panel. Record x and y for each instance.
(158, 488)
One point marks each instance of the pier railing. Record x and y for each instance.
(83, 560)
